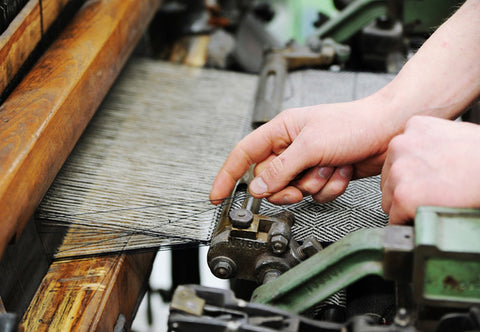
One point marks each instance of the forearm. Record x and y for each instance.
(443, 78)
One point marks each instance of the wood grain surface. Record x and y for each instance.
(44, 116)
(88, 294)
(24, 34)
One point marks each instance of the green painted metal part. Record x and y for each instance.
(447, 257)
(352, 19)
(452, 279)
(446, 263)
(359, 254)
(419, 17)
(423, 17)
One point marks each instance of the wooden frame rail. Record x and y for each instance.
(23, 35)
(44, 116)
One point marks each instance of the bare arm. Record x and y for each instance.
(442, 79)
(325, 141)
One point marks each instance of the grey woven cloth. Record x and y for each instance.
(140, 175)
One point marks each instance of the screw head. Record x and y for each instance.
(223, 270)
(241, 218)
(279, 244)
(224, 267)
(310, 247)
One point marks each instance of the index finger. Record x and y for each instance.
(268, 139)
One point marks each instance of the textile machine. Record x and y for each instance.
(86, 201)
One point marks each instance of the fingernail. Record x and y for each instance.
(258, 186)
(325, 172)
(346, 171)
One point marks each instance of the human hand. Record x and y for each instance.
(308, 151)
(434, 162)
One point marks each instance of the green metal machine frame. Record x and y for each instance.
(440, 257)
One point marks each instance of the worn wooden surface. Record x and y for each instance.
(24, 34)
(44, 116)
(88, 294)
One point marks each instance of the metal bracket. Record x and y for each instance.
(359, 254)
(447, 257)
(250, 246)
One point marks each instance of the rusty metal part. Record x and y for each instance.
(250, 246)
(241, 218)
(185, 300)
(277, 64)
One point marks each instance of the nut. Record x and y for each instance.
(310, 247)
(224, 267)
(279, 244)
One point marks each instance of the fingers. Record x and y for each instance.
(314, 180)
(390, 179)
(282, 169)
(324, 184)
(336, 185)
(399, 198)
(288, 195)
(430, 164)
(271, 138)
(402, 208)
(311, 182)
(401, 173)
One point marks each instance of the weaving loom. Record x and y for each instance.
(140, 175)
(107, 158)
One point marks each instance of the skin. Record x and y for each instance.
(434, 162)
(317, 150)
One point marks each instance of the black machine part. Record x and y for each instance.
(198, 308)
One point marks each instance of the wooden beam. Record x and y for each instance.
(51, 9)
(88, 294)
(23, 35)
(45, 115)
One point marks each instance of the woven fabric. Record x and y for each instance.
(140, 175)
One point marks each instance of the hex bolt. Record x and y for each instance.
(241, 218)
(279, 244)
(310, 247)
(222, 270)
(224, 267)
